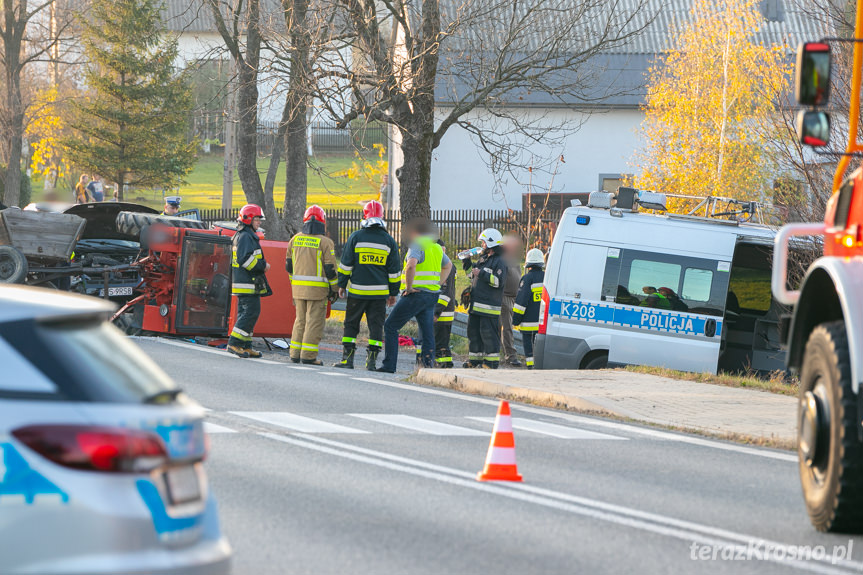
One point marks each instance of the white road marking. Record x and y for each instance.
(686, 531)
(419, 424)
(647, 432)
(595, 422)
(216, 428)
(301, 367)
(335, 373)
(297, 422)
(554, 430)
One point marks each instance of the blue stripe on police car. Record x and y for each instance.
(633, 317)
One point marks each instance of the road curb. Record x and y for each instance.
(456, 382)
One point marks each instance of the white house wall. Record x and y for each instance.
(461, 177)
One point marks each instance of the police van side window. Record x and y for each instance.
(666, 281)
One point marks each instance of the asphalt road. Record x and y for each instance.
(319, 471)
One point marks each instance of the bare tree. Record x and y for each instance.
(287, 31)
(485, 55)
(29, 32)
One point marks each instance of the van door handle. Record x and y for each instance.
(710, 327)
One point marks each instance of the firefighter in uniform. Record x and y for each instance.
(526, 308)
(311, 263)
(249, 281)
(369, 275)
(486, 294)
(444, 315)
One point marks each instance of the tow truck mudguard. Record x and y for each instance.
(833, 289)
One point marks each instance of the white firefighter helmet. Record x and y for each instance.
(491, 237)
(535, 258)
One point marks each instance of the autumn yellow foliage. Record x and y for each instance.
(711, 104)
(364, 169)
(44, 133)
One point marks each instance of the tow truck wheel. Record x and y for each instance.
(828, 448)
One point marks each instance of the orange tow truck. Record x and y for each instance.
(825, 336)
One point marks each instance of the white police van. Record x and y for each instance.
(683, 292)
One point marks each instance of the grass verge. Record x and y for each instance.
(776, 382)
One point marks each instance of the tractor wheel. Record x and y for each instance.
(13, 266)
(132, 223)
(829, 451)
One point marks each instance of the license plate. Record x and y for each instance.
(183, 485)
(116, 291)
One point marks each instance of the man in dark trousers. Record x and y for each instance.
(526, 309)
(369, 275)
(444, 314)
(486, 294)
(249, 281)
(426, 268)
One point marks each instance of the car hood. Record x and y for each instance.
(101, 218)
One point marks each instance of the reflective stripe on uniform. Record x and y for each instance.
(314, 281)
(240, 334)
(296, 345)
(485, 308)
(443, 299)
(308, 347)
(396, 277)
(528, 361)
(369, 247)
(444, 360)
(492, 357)
(346, 269)
(535, 286)
(375, 343)
(529, 326)
(238, 288)
(519, 309)
(349, 340)
(252, 259)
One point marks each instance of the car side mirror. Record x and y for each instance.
(813, 128)
(812, 82)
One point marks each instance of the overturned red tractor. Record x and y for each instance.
(185, 286)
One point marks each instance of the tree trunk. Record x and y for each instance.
(247, 116)
(415, 173)
(14, 110)
(12, 193)
(296, 150)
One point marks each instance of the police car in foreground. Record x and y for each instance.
(683, 292)
(100, 453)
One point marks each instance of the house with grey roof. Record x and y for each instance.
(598, 149)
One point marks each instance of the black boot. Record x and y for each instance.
(347, 358)
(371, 359)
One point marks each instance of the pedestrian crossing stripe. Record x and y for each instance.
(351, 423)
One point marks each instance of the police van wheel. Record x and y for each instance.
(132, 223)
(595, 360)
(829, 452)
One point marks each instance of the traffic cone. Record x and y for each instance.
(500, 461)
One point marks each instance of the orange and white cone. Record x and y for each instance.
(500, 461)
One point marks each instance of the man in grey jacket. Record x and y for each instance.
(511, 252)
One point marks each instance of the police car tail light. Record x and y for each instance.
(94, 448)
(543, 311)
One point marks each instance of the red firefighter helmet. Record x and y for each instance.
(316, 212)
(250, 212)
(373, 209)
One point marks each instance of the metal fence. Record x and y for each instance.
(458, 228)
(327, 138)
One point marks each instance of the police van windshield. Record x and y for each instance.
(665, 281)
